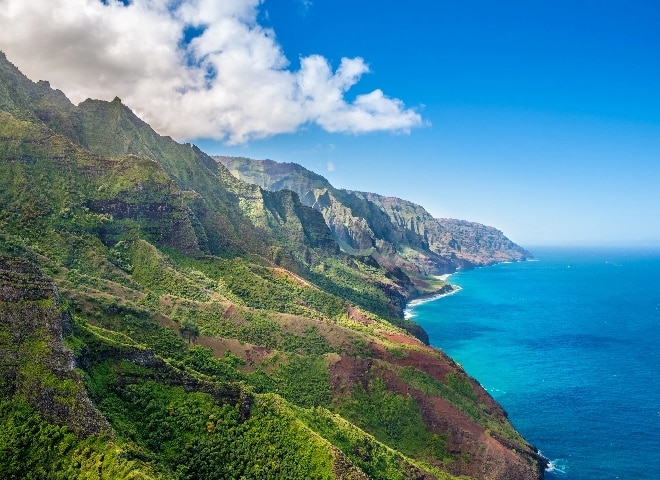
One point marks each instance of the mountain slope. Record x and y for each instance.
(466, 243)
(396, 231)
(209, 328)
(227, 215)
(42, 391)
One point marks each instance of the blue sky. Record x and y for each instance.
(541, 118)
(544, 116)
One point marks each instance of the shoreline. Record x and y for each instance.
(543, 463)
(407, 311)
(455, 288)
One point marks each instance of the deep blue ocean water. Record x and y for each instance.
(569, 345)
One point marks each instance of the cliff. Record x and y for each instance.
(467, 244)
(161, 318)
(35, 364)
(395, 231)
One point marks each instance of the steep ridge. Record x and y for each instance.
(396, 231)
(215, 326)
(226, 214)
(35, 363)
(359, 225)
(468, 244)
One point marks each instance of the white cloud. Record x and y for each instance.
(232, 82)
(331, 167)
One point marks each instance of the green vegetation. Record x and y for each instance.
(160, 318)
(304, 381)
(260, 285)
(193, 435)
(33, 449)
(460, 393)
(393, 419)
(372, 457)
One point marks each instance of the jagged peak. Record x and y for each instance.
(98, 214)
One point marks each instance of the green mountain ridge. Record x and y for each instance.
(467, 244)
(396, 232)
(160, 318)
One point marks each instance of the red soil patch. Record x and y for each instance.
(476, 452)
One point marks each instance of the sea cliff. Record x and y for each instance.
(182, 323)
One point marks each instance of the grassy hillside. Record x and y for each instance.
(160, 318)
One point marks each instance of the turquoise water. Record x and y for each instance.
(569, 344)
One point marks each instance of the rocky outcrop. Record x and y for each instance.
(478, 244)
(466, 244)
(35, 363)
(396, 232)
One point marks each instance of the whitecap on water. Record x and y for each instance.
(557, 466)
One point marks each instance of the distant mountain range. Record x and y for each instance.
(162, 318)
(396, 232)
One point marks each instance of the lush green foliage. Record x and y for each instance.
(393, 419)
(201, 359)
(305, 381)
(34, 449)
(194, 435)
(262, 286)
(207, 315)
(373, 457)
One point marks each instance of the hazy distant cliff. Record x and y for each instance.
(396, 231)
(161, 318)
(467, 243)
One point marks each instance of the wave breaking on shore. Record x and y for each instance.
(408, 312)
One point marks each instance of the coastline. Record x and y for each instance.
(544, 464)
(407, 311)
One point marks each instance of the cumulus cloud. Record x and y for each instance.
(191, 68)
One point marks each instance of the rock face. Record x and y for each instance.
(303, 353)
(35, 364)
(396, 232)
(467, 244)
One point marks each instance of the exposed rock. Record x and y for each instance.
(396, 232)
(35, 363)
(466, 244)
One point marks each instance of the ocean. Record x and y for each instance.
(569, 345)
